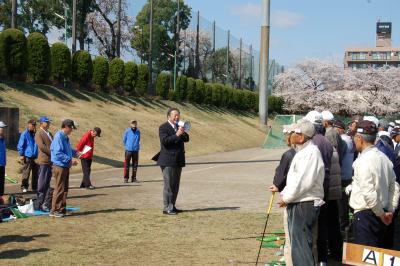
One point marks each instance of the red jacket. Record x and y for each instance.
(86, 140)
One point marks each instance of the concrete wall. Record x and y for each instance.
(10, 116)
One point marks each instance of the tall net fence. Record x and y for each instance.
(275, 138)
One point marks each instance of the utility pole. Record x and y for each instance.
(74, 26)
(150, 88)
(14, 14)
(119, 30)
(264, 63)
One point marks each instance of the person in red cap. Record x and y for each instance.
(86, 148)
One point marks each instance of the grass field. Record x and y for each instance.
(214, 129)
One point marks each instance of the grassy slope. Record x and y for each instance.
(214, 129)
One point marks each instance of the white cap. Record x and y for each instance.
(372, 119)
(327, 116)
(305, 127)
(288, 128)
(2, 124)
(314, 117)
(397, 122)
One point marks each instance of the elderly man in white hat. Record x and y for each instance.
(279, 183)
(303, 193)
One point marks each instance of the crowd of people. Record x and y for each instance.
(46, 160)
(330, 171)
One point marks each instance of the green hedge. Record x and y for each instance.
(181, 88)
(131, 73)
(13, 52)
(275, 104)
(163, 85)
(200, 91)
(116, 73)
(142, 80)
(82, 68)
(191, 90)
(60, 62)
(100, 72)
(208, 91)
(38, 57)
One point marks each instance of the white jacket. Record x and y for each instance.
(306, 176)
(374, 184)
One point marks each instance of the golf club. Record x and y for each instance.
(271, 201)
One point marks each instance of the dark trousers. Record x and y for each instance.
(368, 229)
(329, 232)
(61, 180)
(172, 178)
(134, 157)
(2, 179)
(28, 167)
(43, 182)
(302, 218)
(86, 169)
(344, 208)
(389, 238)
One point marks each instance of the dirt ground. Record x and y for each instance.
(224, 197)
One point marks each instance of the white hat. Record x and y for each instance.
(305, 127)
(288, 128)
(372, 119)
(397, 122)
(327, 116)
(314, 117)
(2, 124)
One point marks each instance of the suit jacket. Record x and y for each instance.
(43, 142)
(172, 153)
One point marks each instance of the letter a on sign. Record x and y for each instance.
(371, 257)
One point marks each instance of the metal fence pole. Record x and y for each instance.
(150, 88)
(74, 26)
(119, 29)
(213, 64)
(251, 68)
(197, 60)
(227, 56)
(240, 63)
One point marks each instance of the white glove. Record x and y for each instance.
(348, 189)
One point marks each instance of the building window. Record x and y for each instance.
(358, 56)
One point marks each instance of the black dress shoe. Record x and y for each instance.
(177, 210)
(170, 212)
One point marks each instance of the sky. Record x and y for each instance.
(301, 28)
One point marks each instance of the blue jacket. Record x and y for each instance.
(26, 145)
(61, 151)
(2, 152)
(131, 140)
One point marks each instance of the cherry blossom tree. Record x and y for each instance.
(315, 84)
(103, 26)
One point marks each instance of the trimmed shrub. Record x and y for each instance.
(38, 57)
(181, 88)
(82, 68)
(228, 97)
(60, 62)
(191, 90)
(275, 104)
(208, 90)
(131, 73)
(100, 72)
(142, 80)
(13, 54)
(216, 96)
(200, 91)
(171, 95)
(116, 73)
(163, 85)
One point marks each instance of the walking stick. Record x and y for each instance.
(271, 201)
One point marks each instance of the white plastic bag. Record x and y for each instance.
(27, 208)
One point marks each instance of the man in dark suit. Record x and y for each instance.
(172, 158)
